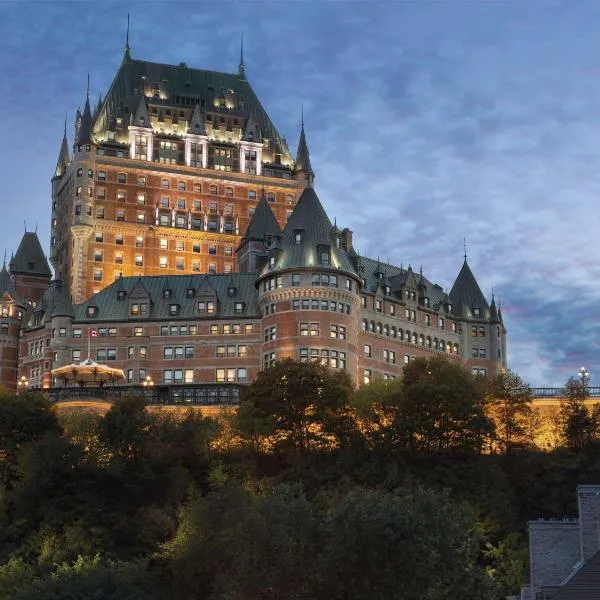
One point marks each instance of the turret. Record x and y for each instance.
(29, 269)
(302, 168)
(84, 141)
(309, 291)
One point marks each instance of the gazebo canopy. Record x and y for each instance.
(88, 371)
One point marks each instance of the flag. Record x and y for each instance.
(93, 333)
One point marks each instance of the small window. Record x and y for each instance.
(252, 194)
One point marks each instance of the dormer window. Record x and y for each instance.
(298, 237)
(138, 308)
(324, 257)
(476, 312)
(167, 293)
(190, 293)
(272, 261)
(231, 291)
(121, 295)
(426, 302)
(91, 311)
(239, 308)
(449, 307)
(386, 290)
(173, 309)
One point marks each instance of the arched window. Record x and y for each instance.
(371, 326)
(455, 348)
(414, 338)
(448, 347)
(386, 330)
(379, 328)
(429, 341)
(407, 336)
(421, 340)
(365, 325)
(393, 332)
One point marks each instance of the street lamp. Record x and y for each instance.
(148, 383)
(584, 375)
(22, 383)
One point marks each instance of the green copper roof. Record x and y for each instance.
(263, 223)
(30, 258)
(113, 302)
(7, 287)
(307, 231)
(183, 87)
(466, 294)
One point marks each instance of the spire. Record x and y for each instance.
(30, 258)
(127, 52)
(493, 310)
(465, 246)
(303, 166)
(141, 117)
(242, 66)
(84, 133)
(63, 156)
(252, 131)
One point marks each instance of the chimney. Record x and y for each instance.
(588, 500)
(346, 239)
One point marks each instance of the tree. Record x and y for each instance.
(297, 406)
(578, 424)
(442, 408)
(509, 404)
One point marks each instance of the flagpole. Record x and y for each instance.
(89, 341)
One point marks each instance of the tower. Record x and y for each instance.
(165, 176)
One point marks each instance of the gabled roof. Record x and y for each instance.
(141, 117)
(584, 584)
(311, 221)
(55, 302)
(7, 287)
(111, 308)
(197, 122)
(179, 84)
(30, 258)
(263, 222)
(466, 294)
(252, 132)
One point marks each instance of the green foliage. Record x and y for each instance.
(509, 403)
(297, 407)
(579, 425)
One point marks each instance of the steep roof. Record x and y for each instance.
(584, 584)
(63, 157)
(55, 302)
(263, 222)
(311, 221)
(30, 258)
(7, 287)
(197, 122)
(180, 85)
(112, 307)
(466, 294)
(84, 134)
(303, 156)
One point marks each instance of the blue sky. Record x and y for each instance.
(427, 122)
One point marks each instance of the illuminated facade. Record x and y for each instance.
(187, 238)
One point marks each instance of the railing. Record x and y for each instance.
(554, 392)
(184, 394)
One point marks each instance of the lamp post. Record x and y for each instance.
(148, 384)
(22, 384)
(584, 376)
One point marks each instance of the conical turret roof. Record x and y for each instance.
(64, 157)
(310, 221)
(7, 287)
(303, 156)
(141, 117)
(263, 222)
(30, 258)
(84, 134)
(466, 293)
(61, 301)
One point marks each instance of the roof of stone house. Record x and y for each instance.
(112, 303)
(7, 287)
(584, 584)
(263, 222)
(466, 294)
(399, 279)
(311, 221)
(30, 258)
(180, 82)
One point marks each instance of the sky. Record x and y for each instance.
(427, 122)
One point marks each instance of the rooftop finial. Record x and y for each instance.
(465, 246)
(87, 93)
(65, 134)
(127, 51)
(242, 66)
(302, 116)
(25, 225)
(4, 261)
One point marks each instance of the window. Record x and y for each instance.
(252, 194)
(99, 237)
(181, 186)
(121, 178)
(212, 190)
(389, 356)
(428, 320)
(163, 262)
(238, 308)
(75, 355)
(120, 215)
(138, 331)
(476, 312)
(479, 371)
(378, 305)
(367, 375)
(478, 331)
(97, 274)
(118, 258)
(165, 184)
(119, 240)
(101, 175)
(270, 333)
(337, 331)
(309, 329)
(367, 350)
(229, 192)
(98, 256)
(121, 196)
